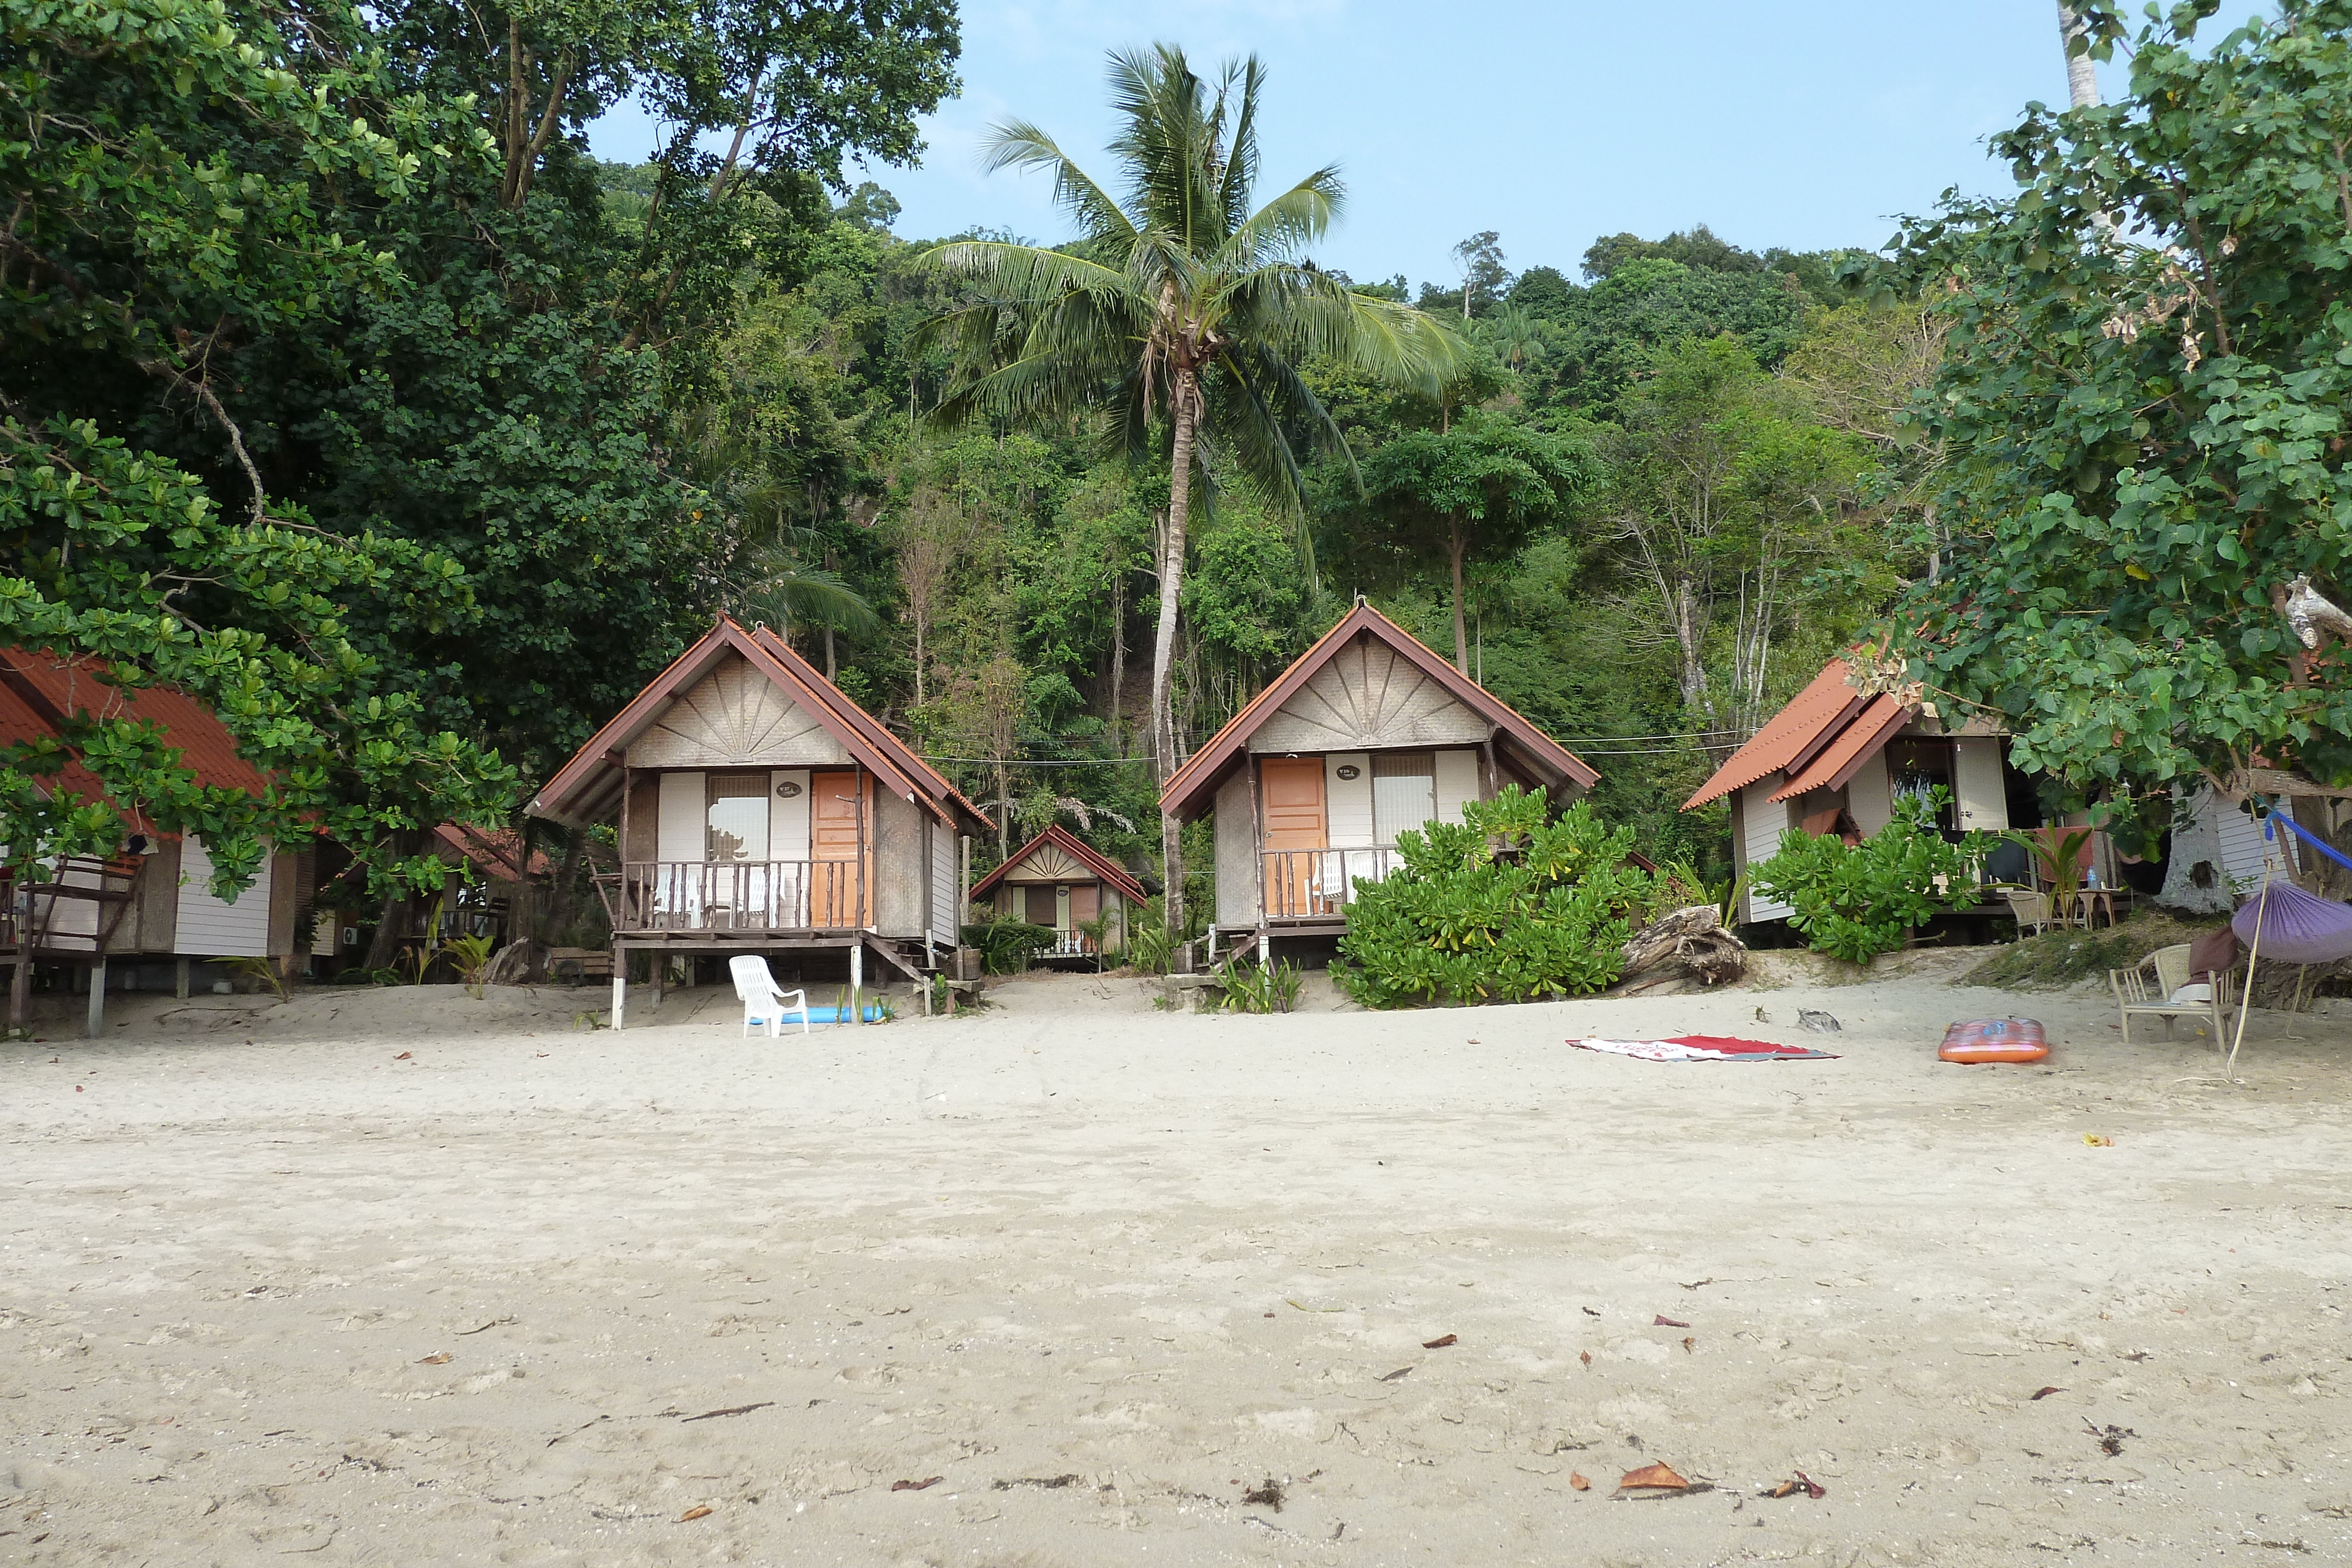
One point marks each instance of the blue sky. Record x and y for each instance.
(1802, 124)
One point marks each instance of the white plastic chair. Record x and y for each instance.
(763, 1003)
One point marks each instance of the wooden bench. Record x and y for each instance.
(584, 963)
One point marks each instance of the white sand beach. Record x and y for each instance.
(401, 1277)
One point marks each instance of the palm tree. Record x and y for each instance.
(1181, 310)
(1514, 334)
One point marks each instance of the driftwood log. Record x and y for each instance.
(1687, 945)
(519, 963)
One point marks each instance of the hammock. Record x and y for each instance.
(2298, 927)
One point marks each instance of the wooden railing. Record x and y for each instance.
(737, 895)
(1316, 884)
(75, 912)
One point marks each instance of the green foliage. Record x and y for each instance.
(259, 972)
(2144, 396)
(1151, 943)
(1007, 942)
(113, 544)
(1855, 902)
(1510, 905)
(471, 958)
(1256, 988)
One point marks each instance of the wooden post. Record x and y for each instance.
(1257, 832)
(20, 981)
(180, 977)
(620, 983)
(856, 979)
(96, 1025)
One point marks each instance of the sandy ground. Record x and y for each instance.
(406, 1278)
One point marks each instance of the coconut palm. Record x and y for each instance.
(1181, 314)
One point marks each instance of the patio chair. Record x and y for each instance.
(2031, 909)
(763, 1003)
(2160, 985)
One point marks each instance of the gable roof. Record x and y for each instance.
(1077, 849)
(40, 690)
(1814, 719)
(1191, 786)
(1843, 756)
(587, 789)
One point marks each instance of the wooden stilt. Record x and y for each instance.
(20, 990)
(180, 977)
(620, 988)
(856, 982)
(95, 1024)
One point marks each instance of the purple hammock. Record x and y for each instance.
(2297, 927)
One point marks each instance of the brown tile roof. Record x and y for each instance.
(40, 690)
(1077, 849)
(1848, 749)
(1814, 717)
(1191, 786)
(586, 788)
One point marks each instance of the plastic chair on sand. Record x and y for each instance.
(762, 1002)
(2160, 985)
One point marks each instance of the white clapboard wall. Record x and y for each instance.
(210, 927)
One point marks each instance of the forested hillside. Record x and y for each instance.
(341, 386)
(1686, 459)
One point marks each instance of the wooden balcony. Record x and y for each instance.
(749, 897)
(72, 915)
(1310, 886)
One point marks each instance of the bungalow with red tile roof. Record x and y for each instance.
(1367, 735)
(762, 811)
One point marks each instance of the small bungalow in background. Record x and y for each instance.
(144, 917)
(1835, 759)
(1058, 880)
(1367, 735)
(760, 811)
(488, 893)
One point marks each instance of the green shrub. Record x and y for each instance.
(1509, 905)
(1151, 944)
(1005, 942)
(1855, 902)
(1257, 988)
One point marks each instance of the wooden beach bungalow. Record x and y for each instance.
(762, 811)
(1833, 762)
(120, 920)
(1060, 881)
(1368, 734)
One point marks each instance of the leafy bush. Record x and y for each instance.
(1509, 905)
(1006, 941)
(1151, 944)
(1257, 988)
(1855, 902)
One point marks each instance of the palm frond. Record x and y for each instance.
(1018, 145)
(788, 595)
(1286, 225)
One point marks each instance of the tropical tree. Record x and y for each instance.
(2145, 423)
(1183, 312)
(1485, 481)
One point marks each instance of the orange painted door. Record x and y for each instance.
(1290, 792)
(841, 844)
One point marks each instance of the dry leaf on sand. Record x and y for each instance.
(698, 1512)
(1579, 1483)
(1660, 1477)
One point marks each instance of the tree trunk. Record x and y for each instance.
(1184, 401)
(1119, 656)
(2082, 78)
(1455, 543)
(1690, 638)
(555, 914)
(918, 661)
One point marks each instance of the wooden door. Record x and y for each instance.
(1291, 796)
(841, 849)
(1037, 905)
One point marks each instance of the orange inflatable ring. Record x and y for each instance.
(1994, 1040)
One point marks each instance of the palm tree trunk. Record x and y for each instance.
(1184, 405)
(1455, 543)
